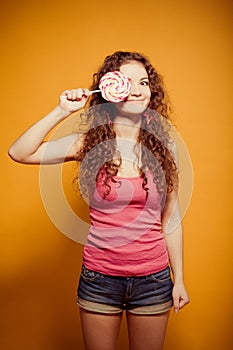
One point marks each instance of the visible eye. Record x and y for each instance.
(145, 82)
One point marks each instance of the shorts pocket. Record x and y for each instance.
(89, 275)
(161, 276)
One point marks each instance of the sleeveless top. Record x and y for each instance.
(125, 236)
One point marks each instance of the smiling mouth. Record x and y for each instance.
(134, 101)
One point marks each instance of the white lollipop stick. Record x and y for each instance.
(93, 91)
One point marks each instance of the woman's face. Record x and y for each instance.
(140, 94)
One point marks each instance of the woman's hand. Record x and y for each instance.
(73, 100)
(180, 296)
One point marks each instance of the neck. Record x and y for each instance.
(127, 128)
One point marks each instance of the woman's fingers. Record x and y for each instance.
(75, 94)
(180, 297)
(74, 99)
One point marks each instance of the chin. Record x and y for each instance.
(131, 108)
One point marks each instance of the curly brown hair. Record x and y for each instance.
(102, 163)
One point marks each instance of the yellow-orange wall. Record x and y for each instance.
(48, 46)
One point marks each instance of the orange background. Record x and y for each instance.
(48, 46)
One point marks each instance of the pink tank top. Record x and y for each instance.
(125, 236)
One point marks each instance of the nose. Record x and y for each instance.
(135, 89)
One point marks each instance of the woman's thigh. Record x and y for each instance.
(147, 332)
(100, 331)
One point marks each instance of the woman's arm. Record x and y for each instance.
(30, 147)
(173, 233)
(172, 228)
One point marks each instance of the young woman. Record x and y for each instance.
(128, 171)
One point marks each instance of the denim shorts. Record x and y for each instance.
(143, 295)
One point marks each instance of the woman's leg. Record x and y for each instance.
(100, 331)
(147, 332)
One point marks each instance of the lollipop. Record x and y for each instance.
(114, 86)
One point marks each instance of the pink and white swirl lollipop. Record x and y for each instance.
(114, 86)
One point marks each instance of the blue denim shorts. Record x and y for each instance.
(144, 295)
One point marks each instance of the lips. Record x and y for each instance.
(134, 101)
